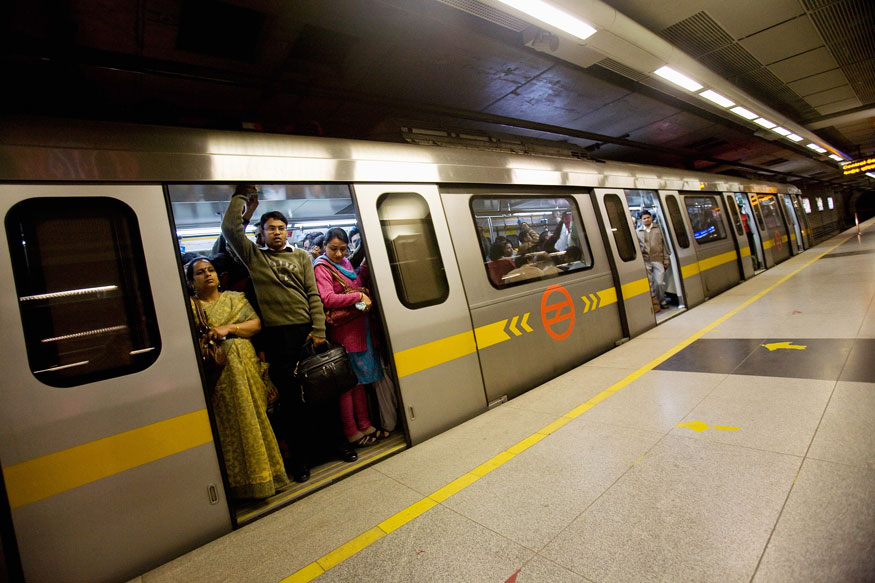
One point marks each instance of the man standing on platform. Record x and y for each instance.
(291, 311)
(656, 256)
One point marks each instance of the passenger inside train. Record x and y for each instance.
(319, 436)
(240, 395)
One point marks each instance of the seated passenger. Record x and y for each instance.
(525, 269)
(249, 447)
(498, 265)
(573, 255)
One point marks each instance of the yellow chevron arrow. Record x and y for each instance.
(525, 323)
(783, 346)
(585, 304)
(513, 328)
(595, 301)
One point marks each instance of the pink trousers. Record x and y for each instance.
(354, 411)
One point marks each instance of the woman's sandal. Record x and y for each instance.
(365, 441)
(381, 434)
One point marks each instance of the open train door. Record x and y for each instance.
(423, 304)
(739, 236)
(792, 223)
(622, 243)
(684, 259)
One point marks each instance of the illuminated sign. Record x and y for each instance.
(859, 166)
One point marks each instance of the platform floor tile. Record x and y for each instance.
(436, 462)
(860, 366)
(564, 393)
(846, 432)
(439, 546)
(531, 498)
(769, 413)
(826, 532)
(689, 511)
(656, 401)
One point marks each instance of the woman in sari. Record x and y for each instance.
(333, 270)
(253, 460)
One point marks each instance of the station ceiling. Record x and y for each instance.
(469, 71)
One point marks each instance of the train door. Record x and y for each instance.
(777, 239)
(108, 458)
(541, 307)
(793, 223)
(742, 247)
(684, 260)
(424, 306)
(755, 225)
(670, 281)
(802, 219)
(715, 250)
(623, 245)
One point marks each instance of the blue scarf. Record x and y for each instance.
(350, 274)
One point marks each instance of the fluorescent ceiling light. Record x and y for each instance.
(761, 121)
(816, 148)
(836, 158)
(870, 175)
(780, 130)
(716, 98)
(678, 79)
(553, 16)
(794, 137)
(745, 113)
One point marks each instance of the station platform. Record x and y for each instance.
(733, 442)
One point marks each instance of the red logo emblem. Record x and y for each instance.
(554, 315)
(778, 242)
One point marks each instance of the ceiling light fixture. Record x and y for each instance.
(836, 158)
(678, 79)
(780, 130)
(715, 97)
(816, 148)
(761, 121)
(745, 113)
(795, 137)
(553, 16)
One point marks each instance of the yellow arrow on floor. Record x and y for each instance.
(700, 426)
(783, 346)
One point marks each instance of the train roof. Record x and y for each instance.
(37, 149)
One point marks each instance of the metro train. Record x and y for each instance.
(107, 443)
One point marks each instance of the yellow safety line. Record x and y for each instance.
(52, 474)
(418, 508)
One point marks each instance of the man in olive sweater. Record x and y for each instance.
(291, 311)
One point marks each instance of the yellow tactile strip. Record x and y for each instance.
(401, 518)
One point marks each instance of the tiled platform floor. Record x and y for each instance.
(746, 455)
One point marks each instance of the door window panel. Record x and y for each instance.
(769, 208)
(677, 222)
(414, 255)
(83, 290)
(627, 249)
(705, 218)
(529, 238)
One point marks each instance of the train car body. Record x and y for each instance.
(110, 465)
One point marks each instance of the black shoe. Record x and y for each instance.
(348, 454)
(301, 474)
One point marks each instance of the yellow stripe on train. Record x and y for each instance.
(40, 478)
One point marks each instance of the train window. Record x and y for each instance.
(769, 208)
(736, 218)
(705, 218)
(83, 290)
(677, 222)
(627, 249)
(529, 238)
(414, 255)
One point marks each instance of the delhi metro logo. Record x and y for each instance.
(557, 308)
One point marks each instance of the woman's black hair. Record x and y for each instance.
(189, 267)
(496, 251)
(336, 233)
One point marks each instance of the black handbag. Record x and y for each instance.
(324, 374)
